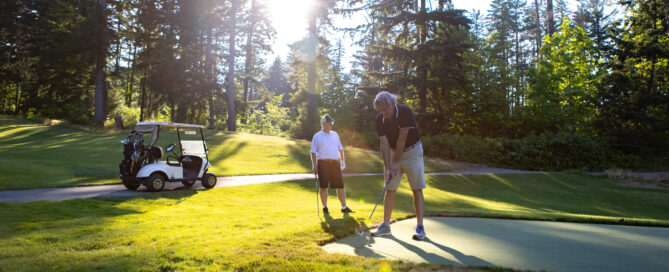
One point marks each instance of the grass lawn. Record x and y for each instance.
(41, 156)
(274, 227)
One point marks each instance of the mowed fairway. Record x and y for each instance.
(274, 227)
(41, 156)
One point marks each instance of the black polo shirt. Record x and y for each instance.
(404, 118)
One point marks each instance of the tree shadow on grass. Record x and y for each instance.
(300, 152)
(90, 231)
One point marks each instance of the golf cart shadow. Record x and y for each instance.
(171, 192)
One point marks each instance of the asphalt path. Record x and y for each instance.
(60, 194)
(518, 244)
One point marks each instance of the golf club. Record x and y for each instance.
(317, 192)
(364, 226)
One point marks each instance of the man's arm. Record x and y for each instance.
(399, 149)
(385, 153)
(314, 163)
(314, 158)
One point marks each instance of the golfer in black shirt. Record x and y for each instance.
(402, 153)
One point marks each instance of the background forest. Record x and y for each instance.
(531, 85)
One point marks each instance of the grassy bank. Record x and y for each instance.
(274, 227)
(41, 156)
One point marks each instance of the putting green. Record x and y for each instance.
(518, 244)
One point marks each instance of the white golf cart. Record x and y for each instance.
(142, 165)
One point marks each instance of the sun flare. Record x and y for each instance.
(289, 19)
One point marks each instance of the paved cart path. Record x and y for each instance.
(519, 244)
(59, 194)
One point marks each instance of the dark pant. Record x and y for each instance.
(330, 171)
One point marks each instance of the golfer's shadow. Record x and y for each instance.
(338, 227)
(461, 258)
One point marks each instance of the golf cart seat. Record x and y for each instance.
(156, 153)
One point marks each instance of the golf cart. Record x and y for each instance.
(142, 164)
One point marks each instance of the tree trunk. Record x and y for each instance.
(422, 70)
(4, 95)
(117, 65)
(142, 96)
(131, 83)
(536, 7)
(651, 80)
(550, 21)
(211, 70)
(18, 99)
(232, 114)
(249, 62)
(100, 114)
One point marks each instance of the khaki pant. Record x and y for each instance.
(411, 164)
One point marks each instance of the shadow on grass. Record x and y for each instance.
(301, 152)
(90, 231)
(339, 227)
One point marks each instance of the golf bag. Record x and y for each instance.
(134, 154)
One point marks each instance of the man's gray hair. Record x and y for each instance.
(327, 118)
(386, 98)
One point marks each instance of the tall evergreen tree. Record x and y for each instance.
(634, 97)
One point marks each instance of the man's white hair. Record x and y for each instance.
(385, 97)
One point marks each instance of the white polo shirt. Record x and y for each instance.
(326, 145)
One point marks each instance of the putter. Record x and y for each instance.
(364, 226)
(317, 191)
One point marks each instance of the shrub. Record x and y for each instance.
(548, 151)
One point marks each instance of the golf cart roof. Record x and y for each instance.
(146, 127)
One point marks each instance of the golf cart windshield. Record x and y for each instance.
(190, 137)
(192, 143)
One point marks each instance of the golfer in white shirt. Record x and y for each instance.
(327, 160)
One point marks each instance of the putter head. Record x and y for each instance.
(360, 231)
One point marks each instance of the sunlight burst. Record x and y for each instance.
(289, 19)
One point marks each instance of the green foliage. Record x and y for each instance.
(129, 116)
(307, 123)
(562, 87)
(272, 119)
(634, 108)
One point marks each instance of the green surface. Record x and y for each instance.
(274, 226)
(40, 156)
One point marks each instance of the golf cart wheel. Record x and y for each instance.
(155, 183)
(208, 180)
(131, 185)
(188, 183)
